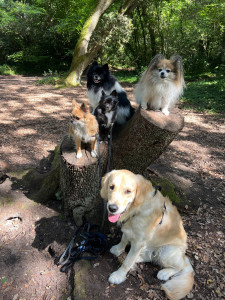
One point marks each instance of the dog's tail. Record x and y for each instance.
(180, 284)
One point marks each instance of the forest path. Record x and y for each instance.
(33, 120)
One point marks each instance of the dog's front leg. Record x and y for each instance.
(119, 248)
(120, 275)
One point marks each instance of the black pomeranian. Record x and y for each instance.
(99, 79)
(106, 113)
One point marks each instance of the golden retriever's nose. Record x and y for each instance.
(113, 208)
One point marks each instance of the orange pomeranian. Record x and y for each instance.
(161, 84)
(83, 128)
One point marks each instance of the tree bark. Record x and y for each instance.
(139, 143)
(82, 55)
(80, 61)
(144, 139)
(80, 181)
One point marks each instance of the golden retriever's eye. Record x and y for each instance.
(127, 192)
(112, 187)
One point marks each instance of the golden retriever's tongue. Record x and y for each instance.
(113, 218)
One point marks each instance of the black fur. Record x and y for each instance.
(98, 79)
(106, 113)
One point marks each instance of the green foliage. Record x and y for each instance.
(36, 35)
(205, 93)
(6, 70)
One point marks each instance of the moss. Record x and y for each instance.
(79, 280)
(18, 174)
(170, 190)
(42, 187)
(6, 201)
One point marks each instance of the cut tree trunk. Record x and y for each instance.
(139, 143)
(80, 181)
(144, 139)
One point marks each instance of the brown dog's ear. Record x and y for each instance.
(178, 66)
(84, 108)
(156, 59)
(143, 187)
(105, 183)
(74, 102)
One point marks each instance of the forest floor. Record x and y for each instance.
(33, 235)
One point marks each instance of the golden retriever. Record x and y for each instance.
(153, 227)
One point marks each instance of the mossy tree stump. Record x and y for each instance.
(138, 144)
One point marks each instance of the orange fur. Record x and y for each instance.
(83, 127)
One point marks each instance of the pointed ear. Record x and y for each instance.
(84, 108)
(105, 183)
(106, 67)
(114, 93)
(176, 60)
(74, 102)
(156, 59)
(103, 93)
(143, 187)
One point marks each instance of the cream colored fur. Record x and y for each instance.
(141, 211)
(155, 92)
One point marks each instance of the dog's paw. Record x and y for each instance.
(116, 250)
(165, 111)
(117, 277)
(93, 153)
(165, 274)
(79, 155)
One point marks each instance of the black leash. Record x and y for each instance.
(94, 243)
(107, 170)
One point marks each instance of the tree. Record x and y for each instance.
(82, 56)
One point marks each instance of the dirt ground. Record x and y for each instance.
(32, 235)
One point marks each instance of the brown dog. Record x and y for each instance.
(153, 227)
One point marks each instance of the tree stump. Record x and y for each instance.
(144, 139)
(80, 182)
(138, 144)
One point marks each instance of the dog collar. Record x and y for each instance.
(164, 209)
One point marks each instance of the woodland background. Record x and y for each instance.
(39, 36)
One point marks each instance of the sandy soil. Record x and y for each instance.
(32, 236)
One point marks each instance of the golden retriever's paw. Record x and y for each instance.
(165, 274)
(116, 250)
(117, 277)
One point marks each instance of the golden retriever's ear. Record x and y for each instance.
(143, 187)
(104, 189)
(105, 183)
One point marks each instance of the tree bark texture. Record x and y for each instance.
(82, 55)
(80, 181)
(80, 60)
(139, 143)
(144, 139)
